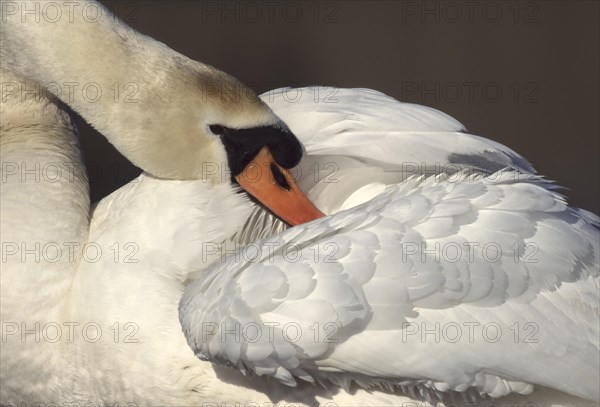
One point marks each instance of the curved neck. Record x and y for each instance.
(44, 202)
(113, 76)
(79, 50)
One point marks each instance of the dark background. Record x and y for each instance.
(524, 73)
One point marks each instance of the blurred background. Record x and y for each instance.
(523, 73)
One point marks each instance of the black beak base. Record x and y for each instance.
(242, 145)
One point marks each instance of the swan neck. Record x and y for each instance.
(45, 204)
(117, 79)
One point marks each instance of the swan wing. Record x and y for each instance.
(482, 283)
(359, 140)
(476, 277)
(370, 125)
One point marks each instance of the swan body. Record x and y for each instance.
(142, 356)
(144, 251)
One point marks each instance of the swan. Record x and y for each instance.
(121, 337)
(114, 301)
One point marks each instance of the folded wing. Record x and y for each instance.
(484, 281)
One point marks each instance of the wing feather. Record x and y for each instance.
(365, 279)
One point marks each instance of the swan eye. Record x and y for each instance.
(216, 129)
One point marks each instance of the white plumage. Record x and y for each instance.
(352, 288)
(407, 189)
(494, 265)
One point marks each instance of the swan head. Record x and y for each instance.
(213, 128)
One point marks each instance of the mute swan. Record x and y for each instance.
(121, 338)
(130, 348)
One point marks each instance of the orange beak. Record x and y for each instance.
(274, 187)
